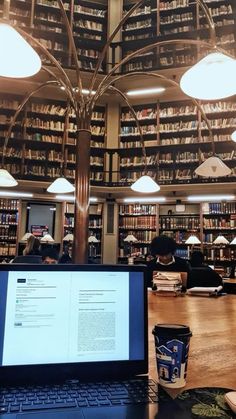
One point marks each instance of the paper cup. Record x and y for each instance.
(172, 348)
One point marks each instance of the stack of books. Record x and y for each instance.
(167, 283)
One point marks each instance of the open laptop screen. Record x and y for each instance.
(72, 314)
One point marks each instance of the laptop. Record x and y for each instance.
(69, 332)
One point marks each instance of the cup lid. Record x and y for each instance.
(171, 329)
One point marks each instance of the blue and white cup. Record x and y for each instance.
(172, 348)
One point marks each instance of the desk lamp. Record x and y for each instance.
(47, 239)
(92, 240)
(130, 239)
(191, 241)
(220, 241)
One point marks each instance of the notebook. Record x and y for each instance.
(71, 330)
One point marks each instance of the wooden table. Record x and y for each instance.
(212, 357)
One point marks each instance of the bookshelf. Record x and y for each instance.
(35, 148)
(140, 221)
(171, 19)
(205, 220)
(95, 227)
(9, 218)
(179, 226)
(176, 140)
(43, 19)
(219, 218)
(141, 26)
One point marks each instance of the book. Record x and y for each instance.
(205, 291)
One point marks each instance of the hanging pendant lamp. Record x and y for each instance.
(20, 59)
(233, 136)
(212, 78)
(213, 167)
(145, 184)
(6, 179)
(61, 185)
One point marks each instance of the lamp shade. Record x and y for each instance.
(26, 236)
(233, 136)
(213, 167)
(145, 184)
(68, 237)
(47, 239)
(61, 185)
(93, 239)
(213, 77)
(193, 240)
(6, 179)
(220, 240)
(130, 239)
(233, 241)
(20, 60)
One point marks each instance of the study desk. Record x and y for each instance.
(212, 356)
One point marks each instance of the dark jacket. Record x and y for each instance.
(203, 276)
(180, 265)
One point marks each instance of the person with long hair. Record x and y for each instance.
(32, 246)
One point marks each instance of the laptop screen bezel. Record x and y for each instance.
(86, 371)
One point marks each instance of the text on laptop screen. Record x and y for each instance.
(55, 317)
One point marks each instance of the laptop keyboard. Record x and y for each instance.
(77, 395)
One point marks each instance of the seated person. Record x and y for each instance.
(32, 246)
(163, 249)
(197, 259)
(201, 275)
(31, 253)
(66, 255)
(50, 256)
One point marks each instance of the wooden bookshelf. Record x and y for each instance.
(9, 219)
(173, 19)
(34, 150)
(205, 220)
(43, 19)
(177, 140)
(95, 227)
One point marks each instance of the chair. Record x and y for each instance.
(28, 259)
(203, 277)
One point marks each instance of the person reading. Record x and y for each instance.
(163, 250)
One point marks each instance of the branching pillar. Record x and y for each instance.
(82, 192)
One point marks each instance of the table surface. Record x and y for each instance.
(212, 356)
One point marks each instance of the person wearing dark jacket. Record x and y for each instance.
(163, 250)
(201, 275)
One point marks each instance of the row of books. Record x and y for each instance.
(220, 208)
(219, 223)
(7, 249)
(189, 223)
(141, 222)
(137, 209)
(146, 113)
(60, 126)
(8, 218)
(9, 204)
